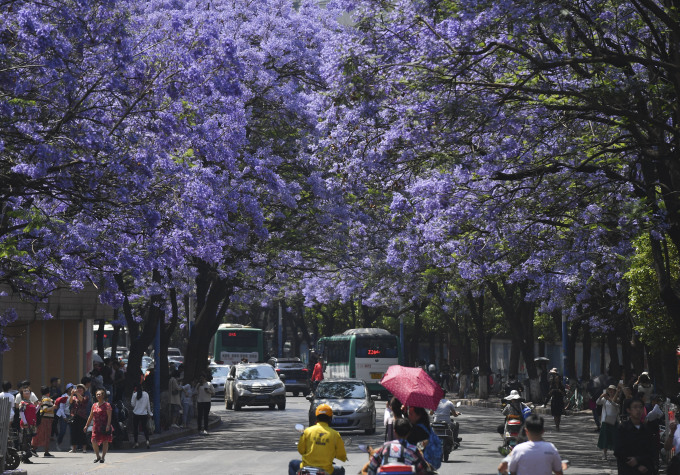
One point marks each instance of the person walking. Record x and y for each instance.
(205, 392)
(80, 411)
(44, 430)
(609, 418)
(62, 405)
(317, 374)
(556, 397)
(634, 446)
(6, 393)
(141, 410)
(175, 399)
(536, 456)
(28, 413)
(188, 397)
(102, 432)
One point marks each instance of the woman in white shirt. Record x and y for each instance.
(141, 410)
(610, 415)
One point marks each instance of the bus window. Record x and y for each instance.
(337, 351)
(377, 348)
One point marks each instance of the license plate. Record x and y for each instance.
(377, 375)
(291, 381)
(340, 420)
(262, 396)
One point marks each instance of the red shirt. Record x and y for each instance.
(317, 374)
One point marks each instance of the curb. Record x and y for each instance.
(495, 404)
(170, 435)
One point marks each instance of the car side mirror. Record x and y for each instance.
(282, 377)
(374, 397)
(309, 397)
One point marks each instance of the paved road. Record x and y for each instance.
(260, 441)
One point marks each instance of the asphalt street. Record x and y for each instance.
(260, 441)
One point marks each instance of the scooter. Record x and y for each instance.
(445, 433)
(510, 434)
(389, 468)
(309, 470)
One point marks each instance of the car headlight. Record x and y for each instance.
(239, 386)
(279, 385)
(363, 408)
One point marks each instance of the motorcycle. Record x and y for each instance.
(309, 470)
(389, 468)
(510, 434)
(445, 433)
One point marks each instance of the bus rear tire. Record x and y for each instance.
(295, 393)
(282, 406)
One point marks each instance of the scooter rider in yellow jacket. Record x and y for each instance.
(319, 445)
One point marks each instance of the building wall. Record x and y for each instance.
(62, 346)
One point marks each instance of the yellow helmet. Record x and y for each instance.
(324, 409)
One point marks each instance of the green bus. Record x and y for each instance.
(363, 353)
(233, 342)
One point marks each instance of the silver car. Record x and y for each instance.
(254, 384)
(353, 406)
(219, 373)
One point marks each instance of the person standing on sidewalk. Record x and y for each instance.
(634, 446)
(44, 431)
(188, 395)
(536, 456)
(556, 395)
(80, 410)
(62, 405)
(609, 418)
(141, 410)
(100, 416)
(205, 392)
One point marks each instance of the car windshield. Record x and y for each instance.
(341, 390)
(219, 371)
(256, 372)
(174, 352)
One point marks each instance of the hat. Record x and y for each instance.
(514, 394)
(553, 371)
(69, 386)
(324, 409)
(611, 386)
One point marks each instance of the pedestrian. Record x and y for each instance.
(317, 374)
(609, 418)
(175, 400)
(141, 411)
(44, 430)
(7, 394)
(535, 456)
(63, 414)
(188, 397)
(672, 442)
(634, 447)
(643, 387)
(55, 392)
(394, 407)
(28, 416)
(118, 381)
(421, 425)
(556, 398)
(204, 391)
(80, 411)
(102, 432)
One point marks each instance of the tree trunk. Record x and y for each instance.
(213, 299)
(587, 351)
(476, 305)
(614, 364)
(100, 338)
(571, 348)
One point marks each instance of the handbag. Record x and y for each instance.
(150, 425)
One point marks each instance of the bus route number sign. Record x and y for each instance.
(373, 352)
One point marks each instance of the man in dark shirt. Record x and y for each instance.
(634, 447)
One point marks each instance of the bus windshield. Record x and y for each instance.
(377, 347)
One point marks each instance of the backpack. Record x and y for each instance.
(526, 411)
(433, 450)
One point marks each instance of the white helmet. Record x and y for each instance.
(432, 368)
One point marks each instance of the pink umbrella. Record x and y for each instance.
(412, 386)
